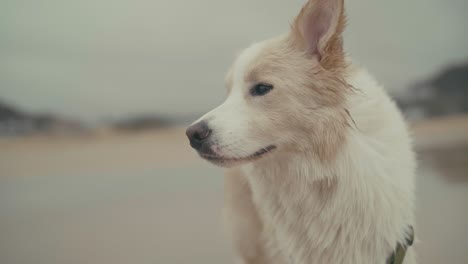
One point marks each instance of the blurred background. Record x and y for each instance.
(95, 94)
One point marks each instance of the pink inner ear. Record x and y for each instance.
(315, 26)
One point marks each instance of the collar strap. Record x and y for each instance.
(398, 255)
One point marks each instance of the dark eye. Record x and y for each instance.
(261, 89)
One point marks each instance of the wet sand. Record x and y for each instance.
(147, 198)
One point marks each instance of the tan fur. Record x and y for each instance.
(285, 63)
(256, 239)
(332, 47)
(304, 82)
(338, 186)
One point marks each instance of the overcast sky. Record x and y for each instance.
(96, 59)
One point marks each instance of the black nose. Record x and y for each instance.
(197, 134)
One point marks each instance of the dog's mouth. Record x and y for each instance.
(229, 161)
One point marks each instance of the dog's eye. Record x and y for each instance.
(260, 89)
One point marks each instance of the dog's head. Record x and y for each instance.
(285, 93)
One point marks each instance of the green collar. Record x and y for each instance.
(398, 255)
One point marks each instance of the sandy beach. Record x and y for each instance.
(147, 198)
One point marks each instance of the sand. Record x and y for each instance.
(147, 198)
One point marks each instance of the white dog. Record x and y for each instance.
(320, 163)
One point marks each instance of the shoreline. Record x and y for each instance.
(107, 151)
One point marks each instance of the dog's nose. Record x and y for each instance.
(197, 134)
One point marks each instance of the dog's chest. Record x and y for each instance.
(313, 222)
(290, 213)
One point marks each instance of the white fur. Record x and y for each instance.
(231, 120)
(353, 209)
(372, 207)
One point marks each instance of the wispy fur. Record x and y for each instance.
(339, 187)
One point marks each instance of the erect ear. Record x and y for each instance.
(319, 26)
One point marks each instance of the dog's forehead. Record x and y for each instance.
(242, 64)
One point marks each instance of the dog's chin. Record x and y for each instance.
(229, 162)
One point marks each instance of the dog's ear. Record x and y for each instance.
(318, 29)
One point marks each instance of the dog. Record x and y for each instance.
(319, 161)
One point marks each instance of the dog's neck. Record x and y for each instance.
(354, 209)
(343, 209)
